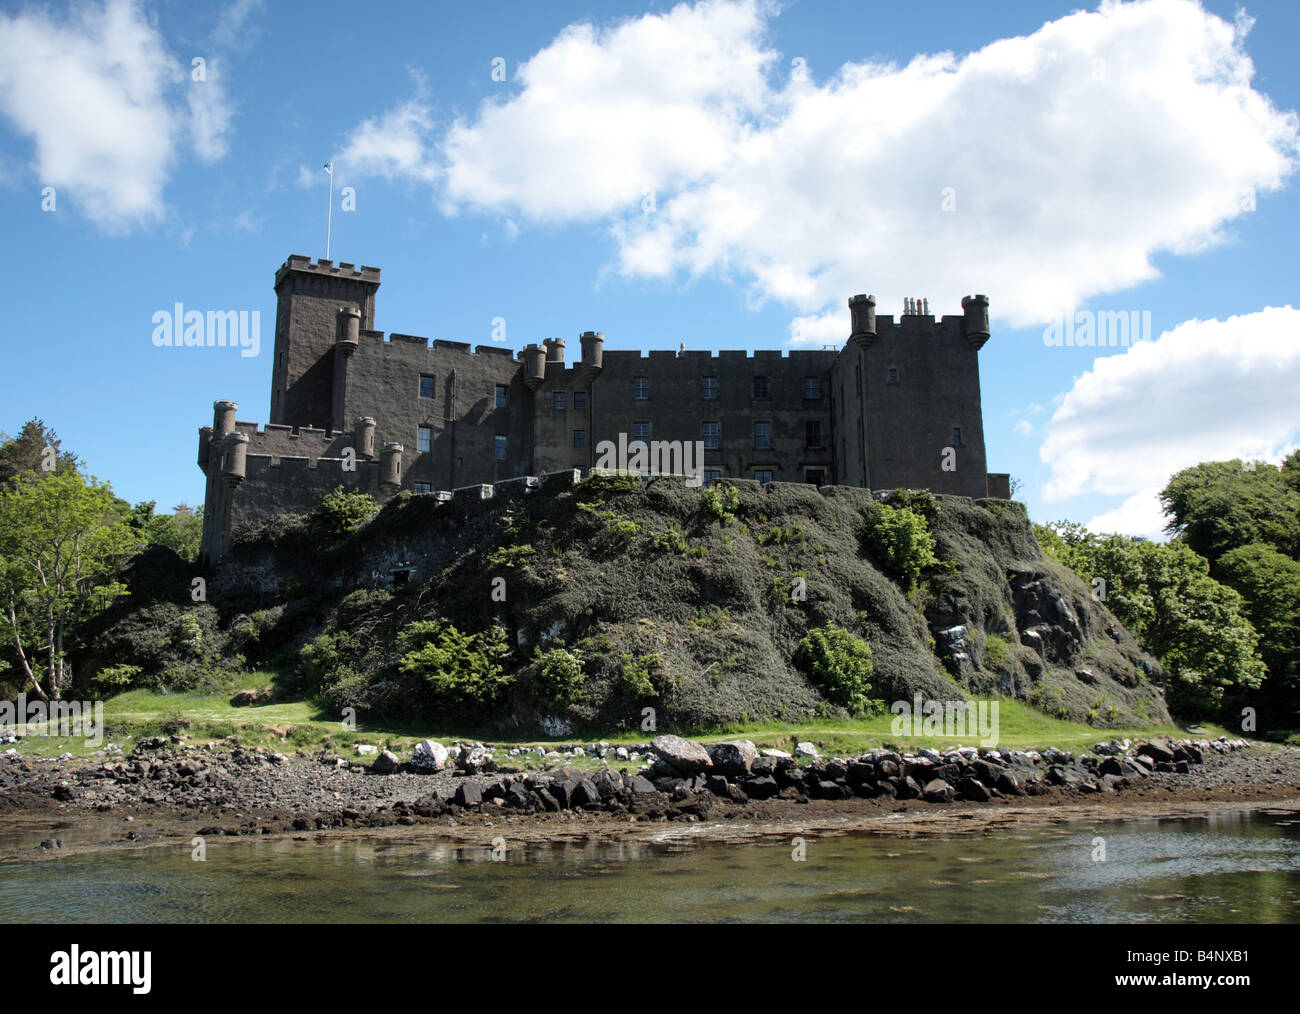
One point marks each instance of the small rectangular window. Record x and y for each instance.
(709, 434)
(709, 388)
(499, 447)
(426, 387)
(712, 475)
(579, 438)
(817, 476)
(956, 436)
(422, 487)
(763, 475)
(640, 388)
(557, 401)
(641, 431)
(501, 395)
(893, 375)
(812, 432)
(812, 388)
(762, 388)
(424, 439)
(762, 436)
(580, 401)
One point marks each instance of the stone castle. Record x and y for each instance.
(897, 407)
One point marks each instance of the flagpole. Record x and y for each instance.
(329, 214)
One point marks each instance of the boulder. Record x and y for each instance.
(938, 791)
(586, 795)
(806, 750)
(640, 786)
(974, 790)
(386, 763)
(1157, 750)
(468, 794)
(366, 750)
(733, 757)
(429, 755)
(1008, 784)
(762, 787)
(685, 755)
(905, 788)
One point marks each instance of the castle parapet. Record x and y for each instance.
(862, 309)
(235, 468)
(593, 353)
(390, 468)
(534, 357)
(976, 311)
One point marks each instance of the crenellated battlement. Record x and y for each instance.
(343, 269)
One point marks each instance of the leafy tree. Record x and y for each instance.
(1270, 584)
(180, 531)
(557, 678)
(35, 449)
(1218, 506)
(61, 541)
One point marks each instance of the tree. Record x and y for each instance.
(1218, 506)
(35, 449)
(180, 531)
(61, 541)
(1270, 584)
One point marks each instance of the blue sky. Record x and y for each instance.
(722, 174)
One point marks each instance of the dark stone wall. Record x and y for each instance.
(909, 423)
(309, 297)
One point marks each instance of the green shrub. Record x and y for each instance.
(899, 540)
(343, 510)
(460, 670)
(115, 679)
(995, 651)
(720, 501)
(840, 667)
(599, 486)
(557, 677)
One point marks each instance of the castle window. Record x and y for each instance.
(579, 438)
(640, 388)
(709, 388)
(426, 387)
(641, 431)
(460, 464)
(763, 476)
(709, 434)
(557, 401)
(893, 374)
(424, 439)
(501, 395)
(712, 475)
(422, 487)
(762, 387)
(812, 433)
(762, 436)
(812, 388)
(956, 436)
(817, 476)
(580, 401)
(499, 447)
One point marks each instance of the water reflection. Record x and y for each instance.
(1222, 867)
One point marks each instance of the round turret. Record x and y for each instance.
(236, 446)
(976, 311)
(205, 440)
(593, 354)
(862, 309)
(534, 357)
(223, 418)
(390, 468)
(363, 437)
(554, 350)
(348, 329)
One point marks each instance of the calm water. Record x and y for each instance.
(1226, 867)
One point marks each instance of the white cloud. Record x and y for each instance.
(90, 93)
(391, 146)
(100, 95)
(1140, 514)
(1206, 391)
(1024, 427)
(1070, 157)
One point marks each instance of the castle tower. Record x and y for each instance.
(593, 354)
(306, 330)
(534, 357)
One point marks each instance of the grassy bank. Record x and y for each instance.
(290, 725)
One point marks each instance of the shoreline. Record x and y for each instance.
(386, 807)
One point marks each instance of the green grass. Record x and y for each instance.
(292, 725)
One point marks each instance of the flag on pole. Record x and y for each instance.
(329, 167)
